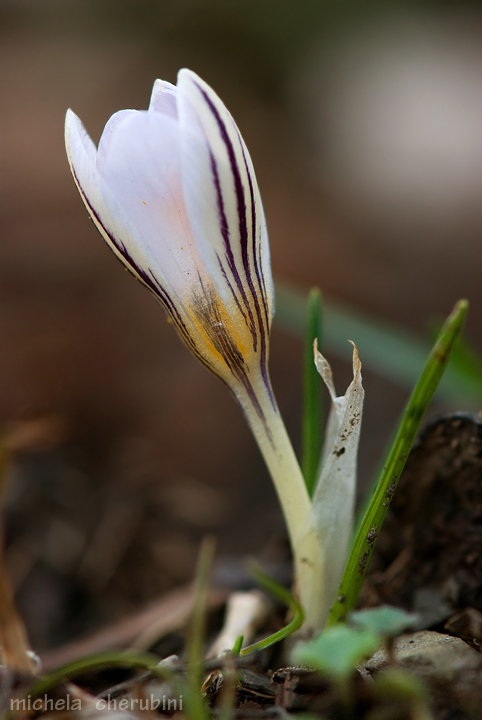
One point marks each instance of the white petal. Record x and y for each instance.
(82, 156)
(163, 98)
(136, 194)
(77, 139)
(109, 131)
(223, 202)
(137, 198)
(81, 151)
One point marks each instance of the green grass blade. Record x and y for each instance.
(311, 422)
(110, 659)
(267, 583)
(387, 350)
(238, 645)
(195, 705)
(369, 528)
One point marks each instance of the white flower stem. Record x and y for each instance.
(278, 453)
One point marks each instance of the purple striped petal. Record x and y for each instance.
(224, 207)
(173, 193)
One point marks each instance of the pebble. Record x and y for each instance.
(451, 668)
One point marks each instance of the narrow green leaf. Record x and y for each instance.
(466, 362)
(369, 528)
(110, 659)
(311, 423)
(280, 592)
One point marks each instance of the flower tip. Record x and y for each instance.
(73, 125)
(187, 78)
(81, 151)
(156, 88)
(69, 117)
(70, 128)
(163, 98)
(160, 88)
(186, 73)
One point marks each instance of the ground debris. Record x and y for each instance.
(467, 625)
(430, 542)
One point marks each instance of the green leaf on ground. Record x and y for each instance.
(337, 650)
(386, 620)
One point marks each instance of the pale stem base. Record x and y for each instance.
(278, 453)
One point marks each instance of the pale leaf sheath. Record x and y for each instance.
(331, 518)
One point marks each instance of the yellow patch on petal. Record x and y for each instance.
(224, 340)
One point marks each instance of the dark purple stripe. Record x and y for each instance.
(241, 202)
(238, 184)
(263, 329)
(220, 203)
(258, 268)
(230, 257)
(233, 293)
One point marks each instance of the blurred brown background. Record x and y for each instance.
(364, 121)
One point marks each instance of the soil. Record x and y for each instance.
(428, 555)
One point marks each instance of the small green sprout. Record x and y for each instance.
(386, 620)
(336, 652)
(238, 645)
(280, 592)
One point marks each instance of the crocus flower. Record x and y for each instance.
(173, 192)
